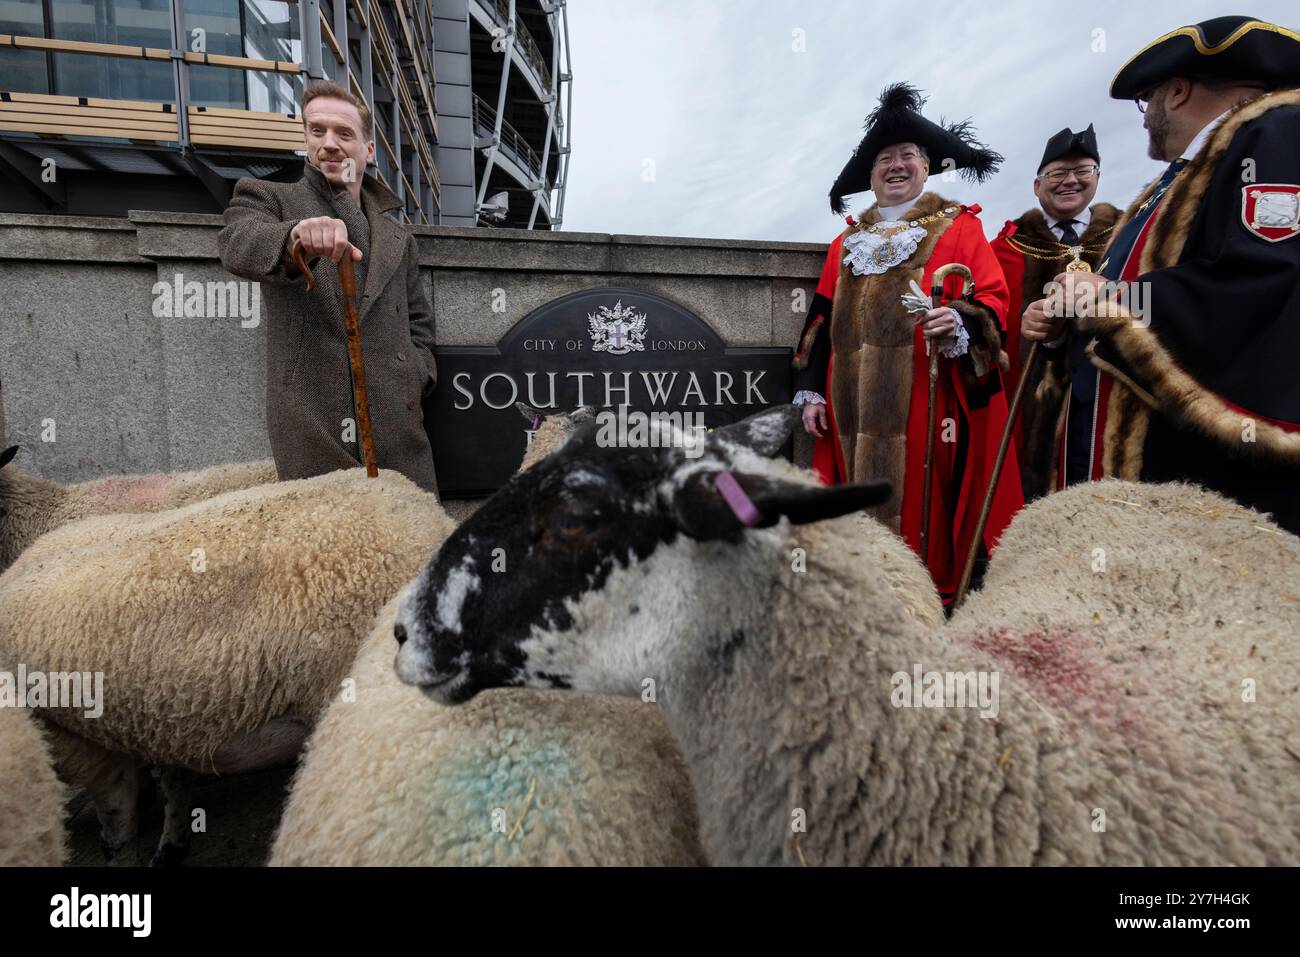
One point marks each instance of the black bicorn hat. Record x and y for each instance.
(1230, 48)
(898, 119)
(1064, 143)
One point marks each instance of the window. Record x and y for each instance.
(214, 26)
(271, 33)
(144, 23)
(24, 71)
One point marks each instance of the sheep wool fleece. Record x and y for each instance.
(515, 777)
(210, 620)
(31, 797)
(1142, 729)
(1160, 622)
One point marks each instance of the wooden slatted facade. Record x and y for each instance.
(406, 124)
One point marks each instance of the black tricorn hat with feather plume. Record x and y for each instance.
(898, 119)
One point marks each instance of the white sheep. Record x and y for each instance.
(1148, 558)
(824, 724)
(518, 777)
(548, 431)
(222, 629)
(30, 506)
(31, 798)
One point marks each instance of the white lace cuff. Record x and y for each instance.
(955, 345)
(804, 396)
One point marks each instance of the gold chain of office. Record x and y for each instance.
(1061, 250)
(947, 213)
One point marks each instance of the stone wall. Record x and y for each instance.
(88, 363)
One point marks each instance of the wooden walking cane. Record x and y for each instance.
(932, 407)
(352, 324)
(995, 475)
(1077, 265)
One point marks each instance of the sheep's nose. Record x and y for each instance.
(399, 632)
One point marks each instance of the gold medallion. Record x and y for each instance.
(1077, 264)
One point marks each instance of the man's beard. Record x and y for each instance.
(1157, 128)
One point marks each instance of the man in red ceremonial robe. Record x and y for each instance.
(1033, 250)
(862, 366)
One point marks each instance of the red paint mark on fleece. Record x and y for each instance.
(133, 493)
(1065, 669)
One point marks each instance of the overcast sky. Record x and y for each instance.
(705, 118)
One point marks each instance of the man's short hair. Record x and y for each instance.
(337, 91)
(1220, 85)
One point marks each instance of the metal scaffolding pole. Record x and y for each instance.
(180, 73)
(501, 107)
(557, 215)
(542, 187)
(309, 30)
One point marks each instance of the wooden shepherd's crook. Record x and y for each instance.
(932, 407)
(996, 474)
(352, 323)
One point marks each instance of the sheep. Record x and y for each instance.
(1144, 557)
(30, 507)
(822, 723)
(31, 797)
(221, 628)
(548, 432)
(899, 565)
(518, 777)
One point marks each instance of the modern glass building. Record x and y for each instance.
(111, 105)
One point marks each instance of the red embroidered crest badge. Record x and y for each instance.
(1271, 210)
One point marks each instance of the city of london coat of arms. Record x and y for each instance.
(616, 330)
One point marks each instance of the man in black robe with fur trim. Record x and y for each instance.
(1191, 367)
(1032, 251)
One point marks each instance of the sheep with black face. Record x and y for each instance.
(488, 610)
(623, 570)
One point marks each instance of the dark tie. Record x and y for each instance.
(1068, 235)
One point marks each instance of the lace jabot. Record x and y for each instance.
(870, 252)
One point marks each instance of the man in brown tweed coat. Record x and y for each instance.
(336, 210)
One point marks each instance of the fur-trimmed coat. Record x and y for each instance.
(1027, 276)
(308, 378)
(1203, 386)
(867, 356)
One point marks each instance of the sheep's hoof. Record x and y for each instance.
(169, 855)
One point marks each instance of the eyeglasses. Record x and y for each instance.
(1144, 98)
(886, 160)
(1082, 172)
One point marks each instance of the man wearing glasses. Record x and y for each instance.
(1032, 251)
(1191, 375)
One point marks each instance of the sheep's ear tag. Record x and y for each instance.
(740, 503)
(7, 455)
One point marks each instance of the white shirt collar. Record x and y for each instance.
(1198, 142)
(1083, 218)
(890, 214)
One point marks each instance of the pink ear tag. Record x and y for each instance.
(746, 511)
